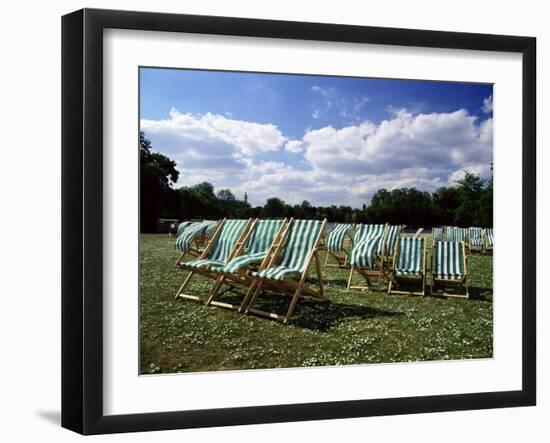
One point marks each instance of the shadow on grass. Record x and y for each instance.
(483, 294)
(476, 293)
(312, 314)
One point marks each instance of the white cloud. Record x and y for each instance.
(212, 143)
(325, 92)
(294, 146)
(341, 166)
(438, 140)
(487, 105)
(213, 133)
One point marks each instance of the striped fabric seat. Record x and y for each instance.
(489, 237)
(365, 231)
(449, 260)
(257, 248)
(300, 242)
(391, 237)
(205, 263)
(221, 250)
(182, 226)
(410, 256)
(364, 252)
(456, 234)
(475, 235)
(196, 229)
(211, 228)
(337, 236)
(437, 234)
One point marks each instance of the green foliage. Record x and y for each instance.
(469, 203)
(157, 174)
(400, 206)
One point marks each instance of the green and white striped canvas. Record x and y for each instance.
(410, 256)
(449, 260)
(364, 252)
(211, 228)
(449, 233)
(391, 237)
(258, 246)
(364, 231)
(196, 229)
(221, 250)
(475, 235)
(490, 237)
(337, 236)
(299, 245)
(182, 226)
(437, 234)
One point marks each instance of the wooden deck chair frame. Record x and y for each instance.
(243, 278)
(463, 281)
(368, 273)
(206, 273)
(341, 261)
(394, 278)
(288, 286)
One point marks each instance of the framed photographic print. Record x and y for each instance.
(269, 221)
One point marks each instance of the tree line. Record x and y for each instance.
(468, 203)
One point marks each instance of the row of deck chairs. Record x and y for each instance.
(474, 238)
(259, 256)
(275, 257)
(380, 251)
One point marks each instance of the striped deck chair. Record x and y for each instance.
(489, 240)
(437, 234)
(393, 232)
(366, 256)
(449, 268)
(182, 226)
(255, 253)
(475, 236)
(449, 233)
(409, 265)
(338, 243)
(289, 267)
(229, 235)
(193, 239)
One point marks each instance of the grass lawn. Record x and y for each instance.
(356, 327)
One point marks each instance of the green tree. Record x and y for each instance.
(274, 207)
(226, 195)
(157, 175)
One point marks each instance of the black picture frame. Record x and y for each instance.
(82, 218)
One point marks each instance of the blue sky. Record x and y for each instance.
(330, 140)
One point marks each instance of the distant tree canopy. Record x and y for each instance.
(468, 203)
(157, 173)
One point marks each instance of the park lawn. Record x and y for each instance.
(356, 327)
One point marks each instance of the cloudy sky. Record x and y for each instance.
(328, 140)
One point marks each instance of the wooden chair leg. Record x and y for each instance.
(215, 290)
(178, 261)
(185, 283)
(252, 294)
(350, 277)
(293, 304)
(319, 276)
